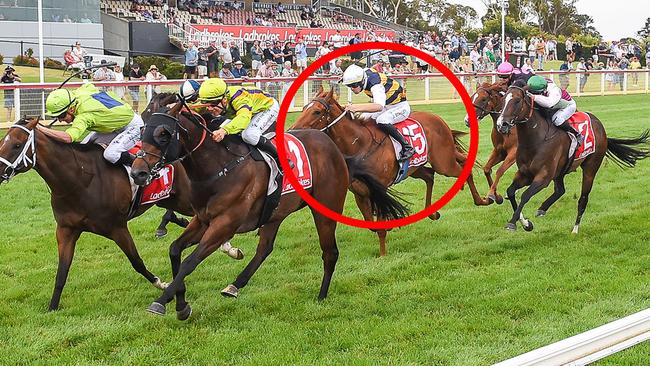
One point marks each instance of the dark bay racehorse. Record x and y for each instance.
(229, 189)
(364, 141)
(488, 100)
(542, 155)
(88, 194)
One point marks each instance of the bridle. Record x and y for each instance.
(23, 159)
(326, 115)
(484, 111)
(531, 106)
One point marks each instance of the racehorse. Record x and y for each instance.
(488, 100)
(363, 140)
(88, 194)
(542, 155)
(229, 189)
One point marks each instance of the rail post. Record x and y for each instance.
(17, 104)
(427, 89)
(624, 82)
(602, 83)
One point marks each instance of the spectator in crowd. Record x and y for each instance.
(224, 54)
(278, 56)
(213, 58)
(239, 72)
(337, 39)
(71, 62)
(154, 75)
(191, 60)
(287, 52)
(202, 64)
(288, 72)
(540, 49)
(356, 56)
(234, 52)
(551, 49)
(256, 57)
(266, 51)
(135, 75)
(225, 72)
(322, 51)
(379, 67)
(568, 44)
(103, 74)
(66, 19)
(78, 52)
(9, 78)
(611, 77)
(528, 66)
(532, 49)
(475, 58)
(85, 19)
(301, 55)
(581, 67)
(266, 70)
(635, 65)
(564, 77)
(119, 76)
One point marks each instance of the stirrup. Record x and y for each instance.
(406, 153)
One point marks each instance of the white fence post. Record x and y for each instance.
(552, 75)
(149, 93)
(577, 83)
(602, 83)
(17, 104)
(305, 93)
(625, 83)
(647, 77)
(494, 79)
(427, 91)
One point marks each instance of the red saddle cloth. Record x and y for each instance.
(302, 166)
(414, 135)
(159, 188)
(581, 122)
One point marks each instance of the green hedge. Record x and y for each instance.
(25, 61)
(171, 69)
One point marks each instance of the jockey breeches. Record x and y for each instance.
(125, 140)
(391, 114)
(565, 113)
(260, 123)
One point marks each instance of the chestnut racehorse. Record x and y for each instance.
(542, 155)
(363, 140)
(229, 189)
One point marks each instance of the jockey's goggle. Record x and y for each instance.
(358, 84)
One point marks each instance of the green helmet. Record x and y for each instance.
(58, 102)
(537, 84)
(212, 90)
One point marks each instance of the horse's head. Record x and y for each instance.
(517, 108)
(18, 149)
(487, 99)
(160, 145)
(157, 103)
(320, 111)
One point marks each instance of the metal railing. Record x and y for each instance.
(28, 98)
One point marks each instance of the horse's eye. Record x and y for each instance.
(17, 146)
(317, 112)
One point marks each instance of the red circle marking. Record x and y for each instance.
(311, 201)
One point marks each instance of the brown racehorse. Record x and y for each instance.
(364, 141)
(88, 194)
(542, 155)
(229, 189)
(488, 100)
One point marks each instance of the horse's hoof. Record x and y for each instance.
(435, 216)
(236, 253)
(159, 284)
(183, 222)
(529, 227)
(499, 199)
(540, 213)
(511, 227)
(156, 308)
(575, 229)
(185, 313)
(230, 291)
(161, 233)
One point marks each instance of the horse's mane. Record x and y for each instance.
(520, 83)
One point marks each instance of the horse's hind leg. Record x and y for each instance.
(326, 235)
(589, 170)
(507, 163)
(66, 239)
(123, 239)
(166, 219)
(427, 175)
(457, 170)
(558, 192)
(267, 234)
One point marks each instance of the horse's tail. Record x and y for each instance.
(621, 152)
(385, 203)
(462, 147)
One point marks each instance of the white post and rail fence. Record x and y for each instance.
(26, 99)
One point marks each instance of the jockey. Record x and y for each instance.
(251, 110)
(510, 73)
(549, 95)
(190, 91)
(388, 107)
(89, 109)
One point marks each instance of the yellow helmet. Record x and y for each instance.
(212, 90)
(58, 101)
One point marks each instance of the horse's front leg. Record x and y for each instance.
(535, 186)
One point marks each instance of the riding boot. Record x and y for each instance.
(407, 149)
(565, 126)
(266, 145)
(126, 158)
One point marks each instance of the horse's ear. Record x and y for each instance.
(175, 109)
(31, 124)
(330, 94)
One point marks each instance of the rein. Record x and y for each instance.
(23, 158)
(532, 105)
(485, 111)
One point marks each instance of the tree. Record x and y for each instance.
(645, 31)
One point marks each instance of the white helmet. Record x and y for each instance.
(190, 90)
(353, 74)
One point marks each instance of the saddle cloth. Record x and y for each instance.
(581, 122)
(414, 135)
(302, 166)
